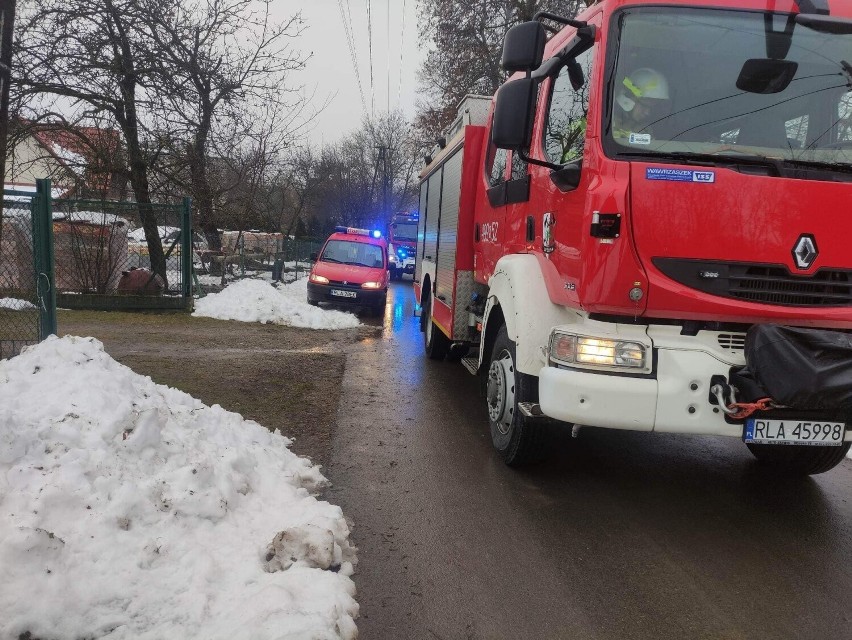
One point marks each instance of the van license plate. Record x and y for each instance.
(819, 434)
(343, 294)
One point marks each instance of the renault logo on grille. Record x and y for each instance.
(805, 251)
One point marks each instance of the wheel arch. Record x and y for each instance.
(518, 297)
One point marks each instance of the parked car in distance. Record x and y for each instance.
(351, 269)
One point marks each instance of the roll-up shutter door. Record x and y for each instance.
(433, 210)
(448, 229)
(421, 231)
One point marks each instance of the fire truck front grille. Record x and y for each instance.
(766, 284)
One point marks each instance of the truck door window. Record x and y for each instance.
(495, 165)
(519, 168)
(565, 131)
(496, 162)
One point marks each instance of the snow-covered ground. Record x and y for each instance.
(15, 304)
(132, 510)
(253, 300)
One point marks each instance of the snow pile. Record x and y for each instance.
(15, 304)
(131, 510)
(258, 301)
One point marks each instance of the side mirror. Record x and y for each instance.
(575, 74)
(514, 110)
(765, 75)
(568, 177)
(313, 257)
(523, 47)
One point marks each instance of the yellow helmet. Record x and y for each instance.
(641, 84)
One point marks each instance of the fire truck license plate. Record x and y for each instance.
(343, 294)
(820, 434)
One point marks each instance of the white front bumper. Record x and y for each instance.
(667, 402)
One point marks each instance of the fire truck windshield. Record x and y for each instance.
(729, 84)
(405, 231)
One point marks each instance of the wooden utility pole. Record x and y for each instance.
(7, 32)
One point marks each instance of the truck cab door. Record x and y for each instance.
(490, 215)
(568, 123)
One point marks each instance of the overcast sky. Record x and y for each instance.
(331, 71)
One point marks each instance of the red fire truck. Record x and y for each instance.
(649, 229)
(403, 237)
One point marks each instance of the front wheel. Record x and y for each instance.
(516, 438)
(799, 460)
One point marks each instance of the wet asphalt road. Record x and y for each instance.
(619, 535)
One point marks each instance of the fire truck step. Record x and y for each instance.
(471, 363)
(530, 409)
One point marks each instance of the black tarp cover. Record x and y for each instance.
(798, 367)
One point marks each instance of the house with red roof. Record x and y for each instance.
(82, 162)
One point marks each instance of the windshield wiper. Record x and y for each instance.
(326, 259)
(714, 159)
(816, 164)
(358, 264)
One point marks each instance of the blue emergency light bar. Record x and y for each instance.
(358, 232)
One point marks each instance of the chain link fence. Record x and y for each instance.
(19, 310)
(103, 261)
(295, 258)
(255, 254)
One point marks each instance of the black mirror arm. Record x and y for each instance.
(541, 163)
(544, 15)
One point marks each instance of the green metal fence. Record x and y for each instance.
(27, 292)
(294, 258)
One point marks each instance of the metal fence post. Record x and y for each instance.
(186, 249)
(43, 245)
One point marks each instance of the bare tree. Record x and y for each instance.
(85, 56)
(217, 60)
(356, 169)
(466, 40)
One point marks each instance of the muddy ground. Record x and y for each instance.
(282, 377)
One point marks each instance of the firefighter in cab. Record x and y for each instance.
(642, 101)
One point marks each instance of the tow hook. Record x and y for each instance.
(721, 392)
(725, 395)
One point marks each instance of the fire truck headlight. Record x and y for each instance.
(318, 279)
(571, 349)
(371, 285)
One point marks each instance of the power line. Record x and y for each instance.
(350, 40)
(370, 49)
(401, 50)
(387, 57)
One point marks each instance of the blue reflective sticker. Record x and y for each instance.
(680, 175)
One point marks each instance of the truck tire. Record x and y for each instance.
(799, 460)
(435, 342)
(516, 438)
